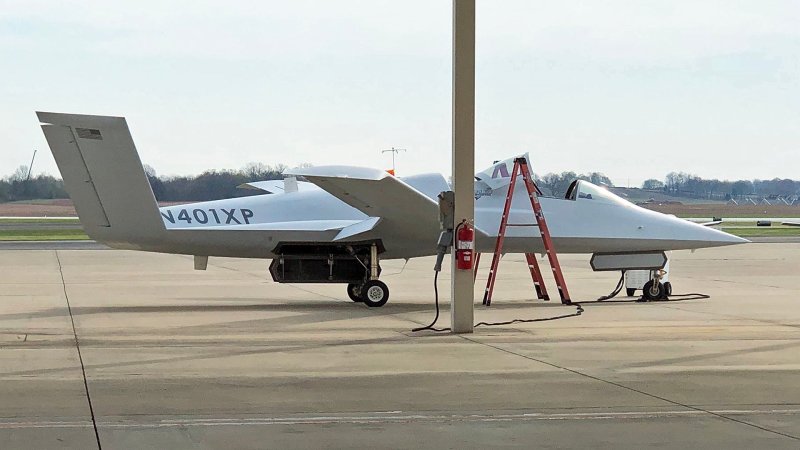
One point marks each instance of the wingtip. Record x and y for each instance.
(354, 172)
(67, 119)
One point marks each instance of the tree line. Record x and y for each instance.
(680, 184)
(218, 184)
(21, 186)
(209, 185)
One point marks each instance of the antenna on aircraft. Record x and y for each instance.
(394, 151)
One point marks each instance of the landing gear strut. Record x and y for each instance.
(655, 289)
(372, 292)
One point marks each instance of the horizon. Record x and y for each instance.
(243, 168)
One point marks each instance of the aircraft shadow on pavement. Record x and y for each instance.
(324, 307)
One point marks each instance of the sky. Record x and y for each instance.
(630, 88)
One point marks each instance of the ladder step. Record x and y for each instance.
(522, 224)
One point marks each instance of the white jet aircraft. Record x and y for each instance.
(337, 225)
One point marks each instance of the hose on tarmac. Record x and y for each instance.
(578, 312)
(436, 298)
(616, 289)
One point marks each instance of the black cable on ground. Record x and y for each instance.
(616, 289)
(436, 298)
(672, 298)
(621, 283)
(579, 309)
(689, 296)
(577, 313)
(80, 355)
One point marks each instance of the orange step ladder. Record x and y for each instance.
(521, 168)
(536, 275)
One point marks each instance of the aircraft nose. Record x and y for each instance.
(681, 234)
(712, 237)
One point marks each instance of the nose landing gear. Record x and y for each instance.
(655, 289)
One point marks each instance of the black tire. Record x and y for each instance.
(653, 292)
(630, 291)
(375, 293)
(667, 289)
(354, 292)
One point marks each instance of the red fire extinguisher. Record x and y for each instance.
(465, 237)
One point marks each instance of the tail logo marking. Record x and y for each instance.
(501, 170)
(231, 216)
(89, 133)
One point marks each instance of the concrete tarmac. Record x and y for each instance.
(114, 349)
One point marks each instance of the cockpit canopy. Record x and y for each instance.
(583, 190)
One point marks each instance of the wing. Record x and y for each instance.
(278, 186)
(409, 219)
(376, 194)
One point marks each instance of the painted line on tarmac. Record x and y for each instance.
(46, 424)
(387, 417)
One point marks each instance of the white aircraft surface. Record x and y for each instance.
(335, 226)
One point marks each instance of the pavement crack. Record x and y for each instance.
(632, 389)
(78, 348)
(733, 316)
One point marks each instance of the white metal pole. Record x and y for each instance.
(462, 297)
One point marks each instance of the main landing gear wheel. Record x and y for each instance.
(630, 291)
(354, 291)
(654, 291)
(667, 289)
(375, 293)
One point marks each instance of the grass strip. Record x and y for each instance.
(762, 231)
(38, 221)
(42, 235)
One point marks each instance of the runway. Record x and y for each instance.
(116, 349)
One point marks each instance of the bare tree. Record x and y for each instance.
(21, 174)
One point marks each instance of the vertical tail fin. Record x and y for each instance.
(105, 178)
(499, 174)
